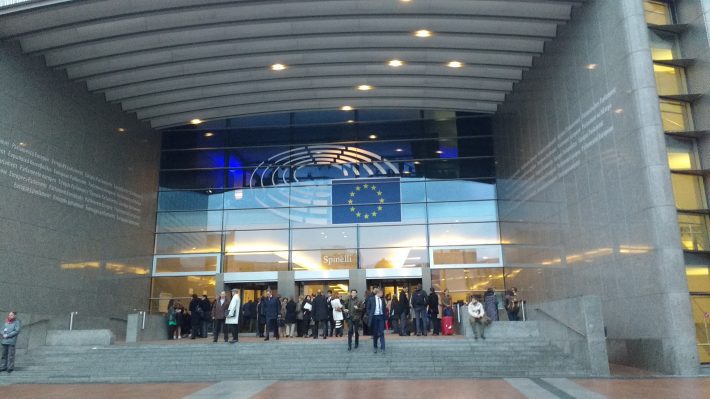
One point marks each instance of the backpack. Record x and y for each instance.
(419, 299)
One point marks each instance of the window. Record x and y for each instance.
(180, 289)
(256, 240)
(325, 238)
(669, 80)
(256, 262)
(681, 154)
(463, 282)
(186, 264)
(392, 236)
(189, 200)
(463, 234)
(393, 258)
(675, 116)
(189, 221)
(663, 46)
(252, 219)
(465, 256)
(325, 259)
(688, 191)
(693, 232)
(657, 12)
(188, 243)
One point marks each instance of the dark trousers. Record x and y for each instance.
(420, 320)
(272, 325)
(299, 328)
(377, 328)
(305, 326)
(235, 331)
(331, 324)
(403, 324)
(353, 328)
(512, 316)
(316, 328)
(8, 358)
(171, 331)
(205, 327)
(195, 324)
(394, 320)
(436, 324)
(261, 324)
(218, 327)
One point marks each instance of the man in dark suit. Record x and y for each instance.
(272, 309)
(219, 312)
(320, 314)
(376, 317)
(195, 317)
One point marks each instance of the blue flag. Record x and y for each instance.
(366, 201)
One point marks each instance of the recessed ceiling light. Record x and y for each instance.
(196, 121)
(592, 66)
(422, 33)
(439, 152)
(278, 67)
(121, 130)
(395, 63)
(618, 110)
(454, 64)
(417, 162)
(346, 108)
(209, 134)
(406, 172)
(373, 136)
(399, 150)
(350, 121)
(23, 144)
(365, 87)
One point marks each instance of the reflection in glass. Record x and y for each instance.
(698, 278)
(459, 190)
(461, 256)
(188, 243)
(392, 236)
(700, 304)
(693, 232)
(189, 221)
(252, 219)
(326, 238)
(688, 191)
(657, 12)
(463, 234)
(663, 46)
(681, 154)
(455, 212)
(189, 200)
(256, 241)
(669, 79)
(192, 159)
(192, 179)
(256, 262)
(674, 116)
(186, 264)
(259, 197)
(393, 258)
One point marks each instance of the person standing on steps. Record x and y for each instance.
(403, 311)
(219, 315)
(338, 317)
(307, 311)
(376, 317)
(10, 331)
(206, 307)
(434, 311)
(195, 317)
(272, 311)
(232, 316)
(330, 324)
(352, 310)
(476, 315)
(320, 315)
(512, 304)
(419, 303)
(490, 304)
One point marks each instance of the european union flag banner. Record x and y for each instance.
(366, 201)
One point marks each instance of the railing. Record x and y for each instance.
(561, 322)
(71, 320)
(141, 314)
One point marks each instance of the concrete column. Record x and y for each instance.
(426, 278)
(358, 281)
(287, 283)
(219, 284)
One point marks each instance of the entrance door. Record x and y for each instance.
(393, 287)
(251, 292)
(312, 287)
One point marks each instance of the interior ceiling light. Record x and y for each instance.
(399, 150)
(346, 108)
(373, 136)
(422, 33)
(350, 121)
(439, 152)
(592, 66)
(278, 67)
(196, 121)
(209, 134)
(454, 64)
(395, 63)
(121, 130)
(365, 87)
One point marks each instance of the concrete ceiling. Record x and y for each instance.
(170, 61)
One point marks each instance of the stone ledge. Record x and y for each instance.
(79, 337)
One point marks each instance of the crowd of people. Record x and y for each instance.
(330, 314)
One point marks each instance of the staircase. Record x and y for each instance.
(295, 359)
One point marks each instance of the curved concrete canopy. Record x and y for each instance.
(174, 60)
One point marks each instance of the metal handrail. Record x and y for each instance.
(561, 322)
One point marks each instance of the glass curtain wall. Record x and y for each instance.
(327, 190)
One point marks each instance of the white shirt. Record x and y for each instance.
(378, 306)
(475, 310)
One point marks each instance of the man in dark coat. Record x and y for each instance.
(330, 323)
(272, 310)
(219, 312)
(195, 317)
(419, 303)
(251, 305)
(260, 318)
(353, 309)
(206, 307)
(320, 314)
(434, 311)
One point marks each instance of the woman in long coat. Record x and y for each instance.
(290, 318)
(232, 319)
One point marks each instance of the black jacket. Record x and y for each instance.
(290, 312)
(419, 299)
(433, 304)
(272, 308)
(403, 304)
(320, 308)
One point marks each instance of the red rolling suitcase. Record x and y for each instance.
(447, 325)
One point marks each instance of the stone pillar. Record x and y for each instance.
(358, 281)
(426, 279)
(219, 285)
(287, 283)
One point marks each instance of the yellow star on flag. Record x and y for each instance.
(357, 188)
(374, 214)
(365, 185)
(350, 202)
(382, 200)
(367, 216)
(379, 193)
(379, 208)
(357, 214)
(352, 209)
(352, 194)
(373, 189)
